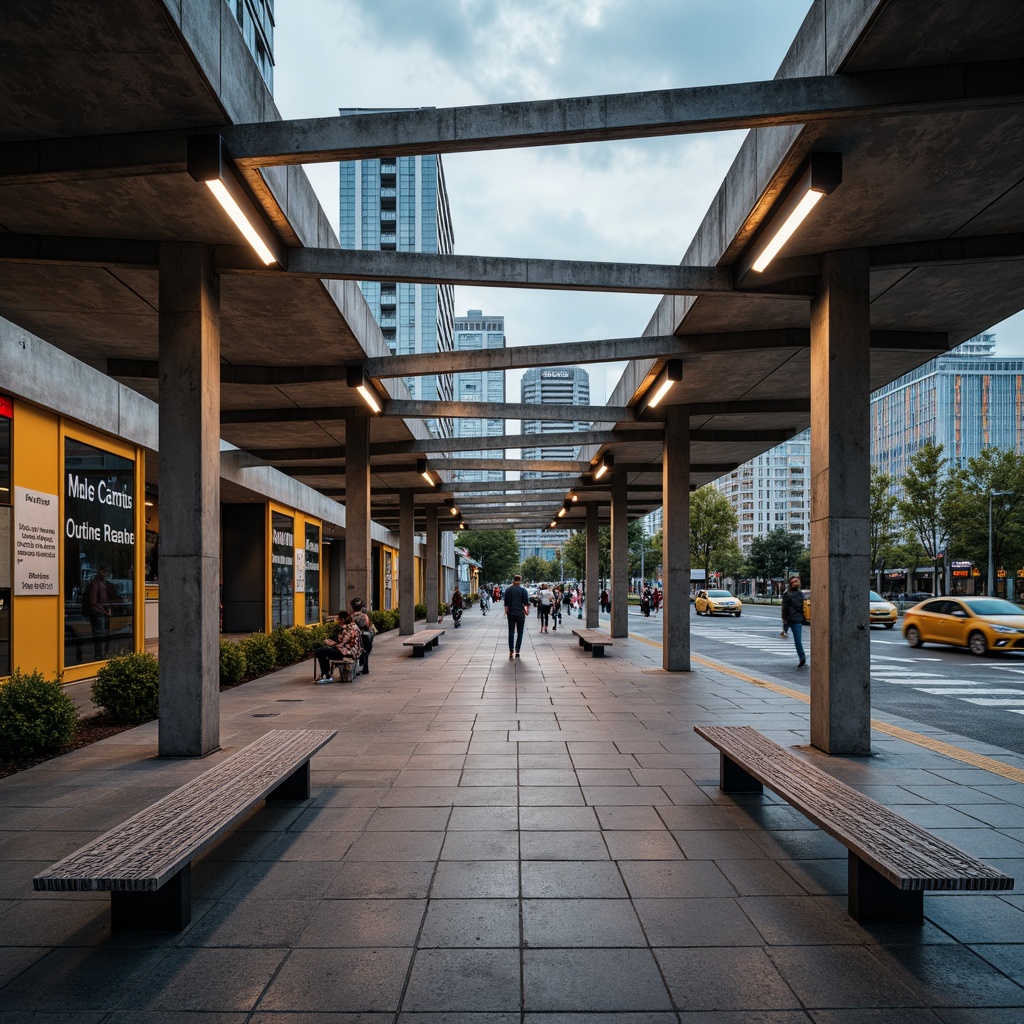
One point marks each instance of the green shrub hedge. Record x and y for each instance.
(384, 620)
(128, 687)
(260, 654)
(420, 611)
(287, 647)
(36, 715)
(232, 663)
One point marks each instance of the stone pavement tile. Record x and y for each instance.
(408, 819)
(999, 815)
(485, 796)
(1005, 957)
(382, 880)
(725, 845)
(691, 795)
(818, 877)
(375, 846)
(243, 846)
(448, 1018)
(802, 921)
(889, 1015)
(250, 923)
(572, 879)
(492, 879)
(742, 978)
(160, 1017)
(604, 777)
(15, 959)
(427, 779)
(363, 923)
(580, 922)
(982, 842)
(489, 777)
(758, 878)
(977, 1015)
(768, 814)
(547, 777)
(338, 980)
(542, 819)
(629, 819)
(562, 846)
(801, 844)
(605, 762)
(674, 878)
(941, 793)
(480, 819)
(617, 796)
(309, 846)
(931, 816)
(354, 779)
(592, 980)
(631, 746)
(56, 922)
(540, 746)
(463, 980)
(42, 845)
(551, 796)
(285, 880)
(491, 761)
(480, 846)
(205, 979)
(976, 917)
(650, 1017)
(552, 761)
(642, 845)
(696, 922)
(356, 796)
(697, 817)
(442, 747)
(463, 923)
(841, 976)
(211, 879)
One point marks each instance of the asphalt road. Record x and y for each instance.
(943, 687)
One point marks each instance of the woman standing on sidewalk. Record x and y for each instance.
(793, 616)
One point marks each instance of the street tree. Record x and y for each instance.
(924, 506)
(497, 550)
(712, 527)
(883, 526)
(774, 553)
(536, 569)
(574, 555)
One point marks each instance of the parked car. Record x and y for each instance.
(710, 602)
(981, 624)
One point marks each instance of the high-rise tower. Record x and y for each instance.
(474, 332)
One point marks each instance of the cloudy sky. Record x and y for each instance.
(625, 201)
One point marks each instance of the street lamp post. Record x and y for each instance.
(991, 566)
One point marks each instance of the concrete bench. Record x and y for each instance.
(145, 862)
(594, 640)
(423, 641)
(891, 861)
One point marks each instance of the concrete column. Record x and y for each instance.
(431, 554)
(593, 588)
(675, 494)
(840, 475)
(335, 577)
(358, 565)
(406, 563)
(620, 556)
(189, 477)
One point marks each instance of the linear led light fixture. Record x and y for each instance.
(208, 161)
(450, 502)
(428, 474)
(820, 174)
(355, 377)
(552, 524)
(671, 374)
(607, 464)
(566, 505)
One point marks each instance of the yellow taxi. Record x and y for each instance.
(880, 611)
(708, 602)
(981, 624)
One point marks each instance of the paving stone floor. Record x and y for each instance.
(492, 842)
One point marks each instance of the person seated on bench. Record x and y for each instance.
(347, 648)
(366, 631)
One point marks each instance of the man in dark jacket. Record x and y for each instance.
(517, 607)
(793, 616)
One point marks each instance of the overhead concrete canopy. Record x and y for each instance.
(934, 195)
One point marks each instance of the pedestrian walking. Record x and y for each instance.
(793, 617)
(517, 607)
(556, 607)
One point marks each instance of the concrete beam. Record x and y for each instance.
(828, 98)
(561, 439)
(510, 410)
(505, 272)
(628, 116)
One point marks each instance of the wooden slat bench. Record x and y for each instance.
(891, 861)
(423, 641)
(593, 640)
(145, 862)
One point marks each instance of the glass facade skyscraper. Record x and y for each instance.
(401, 204)
(551, 385)
(474, 332)
(966, 400)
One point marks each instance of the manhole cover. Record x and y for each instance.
(290, 700)
(270, 714)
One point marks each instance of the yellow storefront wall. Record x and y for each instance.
(37, 622)
(299, 523)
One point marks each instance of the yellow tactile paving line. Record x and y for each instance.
(988, 764)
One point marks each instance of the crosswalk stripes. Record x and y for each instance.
(896, 671)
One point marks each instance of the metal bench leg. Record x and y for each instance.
(734, 779)
(598, 651)
(874, 899)
(295, 787)
(417, 652)
(167, 909)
